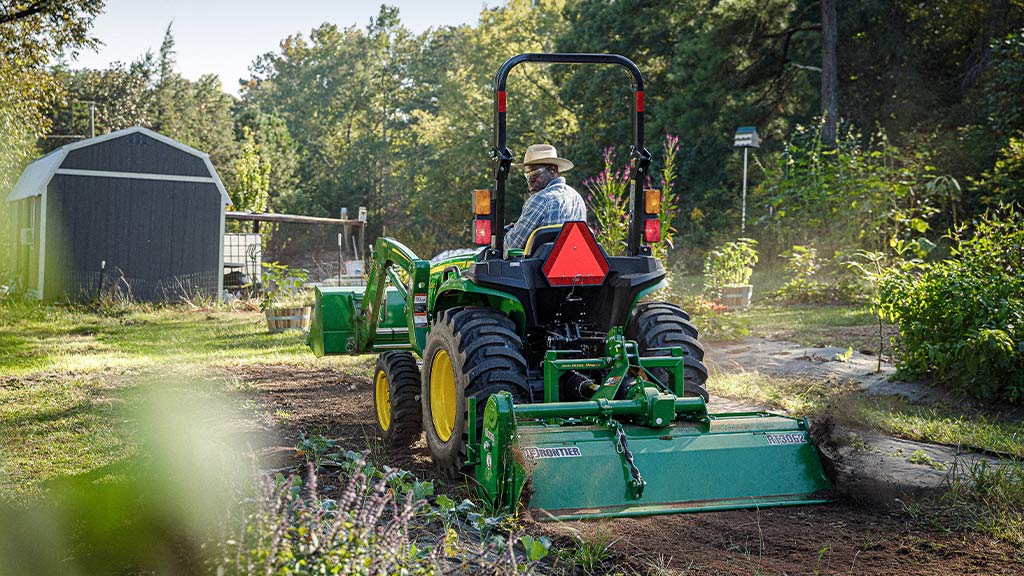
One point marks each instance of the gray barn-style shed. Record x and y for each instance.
(132, 210)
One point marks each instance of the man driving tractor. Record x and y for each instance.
(551, 200)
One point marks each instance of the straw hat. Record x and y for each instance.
(545, 154)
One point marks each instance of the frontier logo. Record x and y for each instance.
(535, 453)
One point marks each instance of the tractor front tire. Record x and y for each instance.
(471, 352)
(396, 397)
(662, 325)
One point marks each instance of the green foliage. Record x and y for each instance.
(288, 528)
(283, 286)
(986, 497)
(961, 319)
(1003, 83)
(855, 195)
(731, 263)
(121, 95)
(1004, 183)
(316, 448)
(609, 203)
(813, 281)
(197, 113)
(590, 551)
(608, 199)
(669, 198)
(251, 192)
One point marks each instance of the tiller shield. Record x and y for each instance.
(653, 453)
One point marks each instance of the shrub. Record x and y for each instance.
(283, 286)
(729, 264)
(813, 281)
(961, 320)
(862, 193)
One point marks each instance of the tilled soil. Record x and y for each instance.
(842, 537)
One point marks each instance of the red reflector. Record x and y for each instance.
(501, 101)
(481, 232)
(575, 259)
(640, 101)
(652, 230)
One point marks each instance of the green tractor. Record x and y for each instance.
(543, 375)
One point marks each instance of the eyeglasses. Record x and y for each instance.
(534, 172)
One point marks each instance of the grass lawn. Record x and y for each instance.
(892, 415)
(68, 377)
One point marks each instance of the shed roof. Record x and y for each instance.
(37, 175)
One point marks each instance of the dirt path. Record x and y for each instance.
(843, 537)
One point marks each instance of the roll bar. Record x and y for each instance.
(640, 158)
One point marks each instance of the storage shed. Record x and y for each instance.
(132, 210)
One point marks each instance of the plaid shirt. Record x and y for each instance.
(557, 203)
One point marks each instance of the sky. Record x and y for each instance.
(223, 37)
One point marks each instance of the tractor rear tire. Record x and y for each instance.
(663, 325)
(470, 352)
(396, 397)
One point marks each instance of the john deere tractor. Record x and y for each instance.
(545, 376)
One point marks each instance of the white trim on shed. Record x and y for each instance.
(37, 175)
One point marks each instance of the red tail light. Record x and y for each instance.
(652, 230)
(575, 260)
(481, 232)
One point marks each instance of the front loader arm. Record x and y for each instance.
(410, 275)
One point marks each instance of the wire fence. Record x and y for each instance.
(331, 252)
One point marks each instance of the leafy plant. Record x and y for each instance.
(862, 193)
(316, 448)
(731, 263)
(609, 203)
(589, 553)
(670, 147)
(816, 281)
(608, 199)
(961, 320)
(283, 286)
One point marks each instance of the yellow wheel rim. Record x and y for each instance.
(383, 400)
(442, 395)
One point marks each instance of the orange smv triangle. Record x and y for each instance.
(575, 259)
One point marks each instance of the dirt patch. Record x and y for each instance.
(838, 538)
(294, 401)
(863, 338)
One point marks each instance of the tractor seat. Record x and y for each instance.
(540, 237)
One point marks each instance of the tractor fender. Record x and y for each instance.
(458, 291)
(649, 290)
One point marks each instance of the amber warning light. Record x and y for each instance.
(652, 209)
(576, 259)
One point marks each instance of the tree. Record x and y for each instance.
(829, 73)
(121, 96)
(252, 184)
(198, 113)
(31, 35)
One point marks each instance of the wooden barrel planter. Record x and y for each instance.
(737, 296)
(281, 319)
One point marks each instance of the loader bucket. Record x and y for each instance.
(332, 330)
(568, 469)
